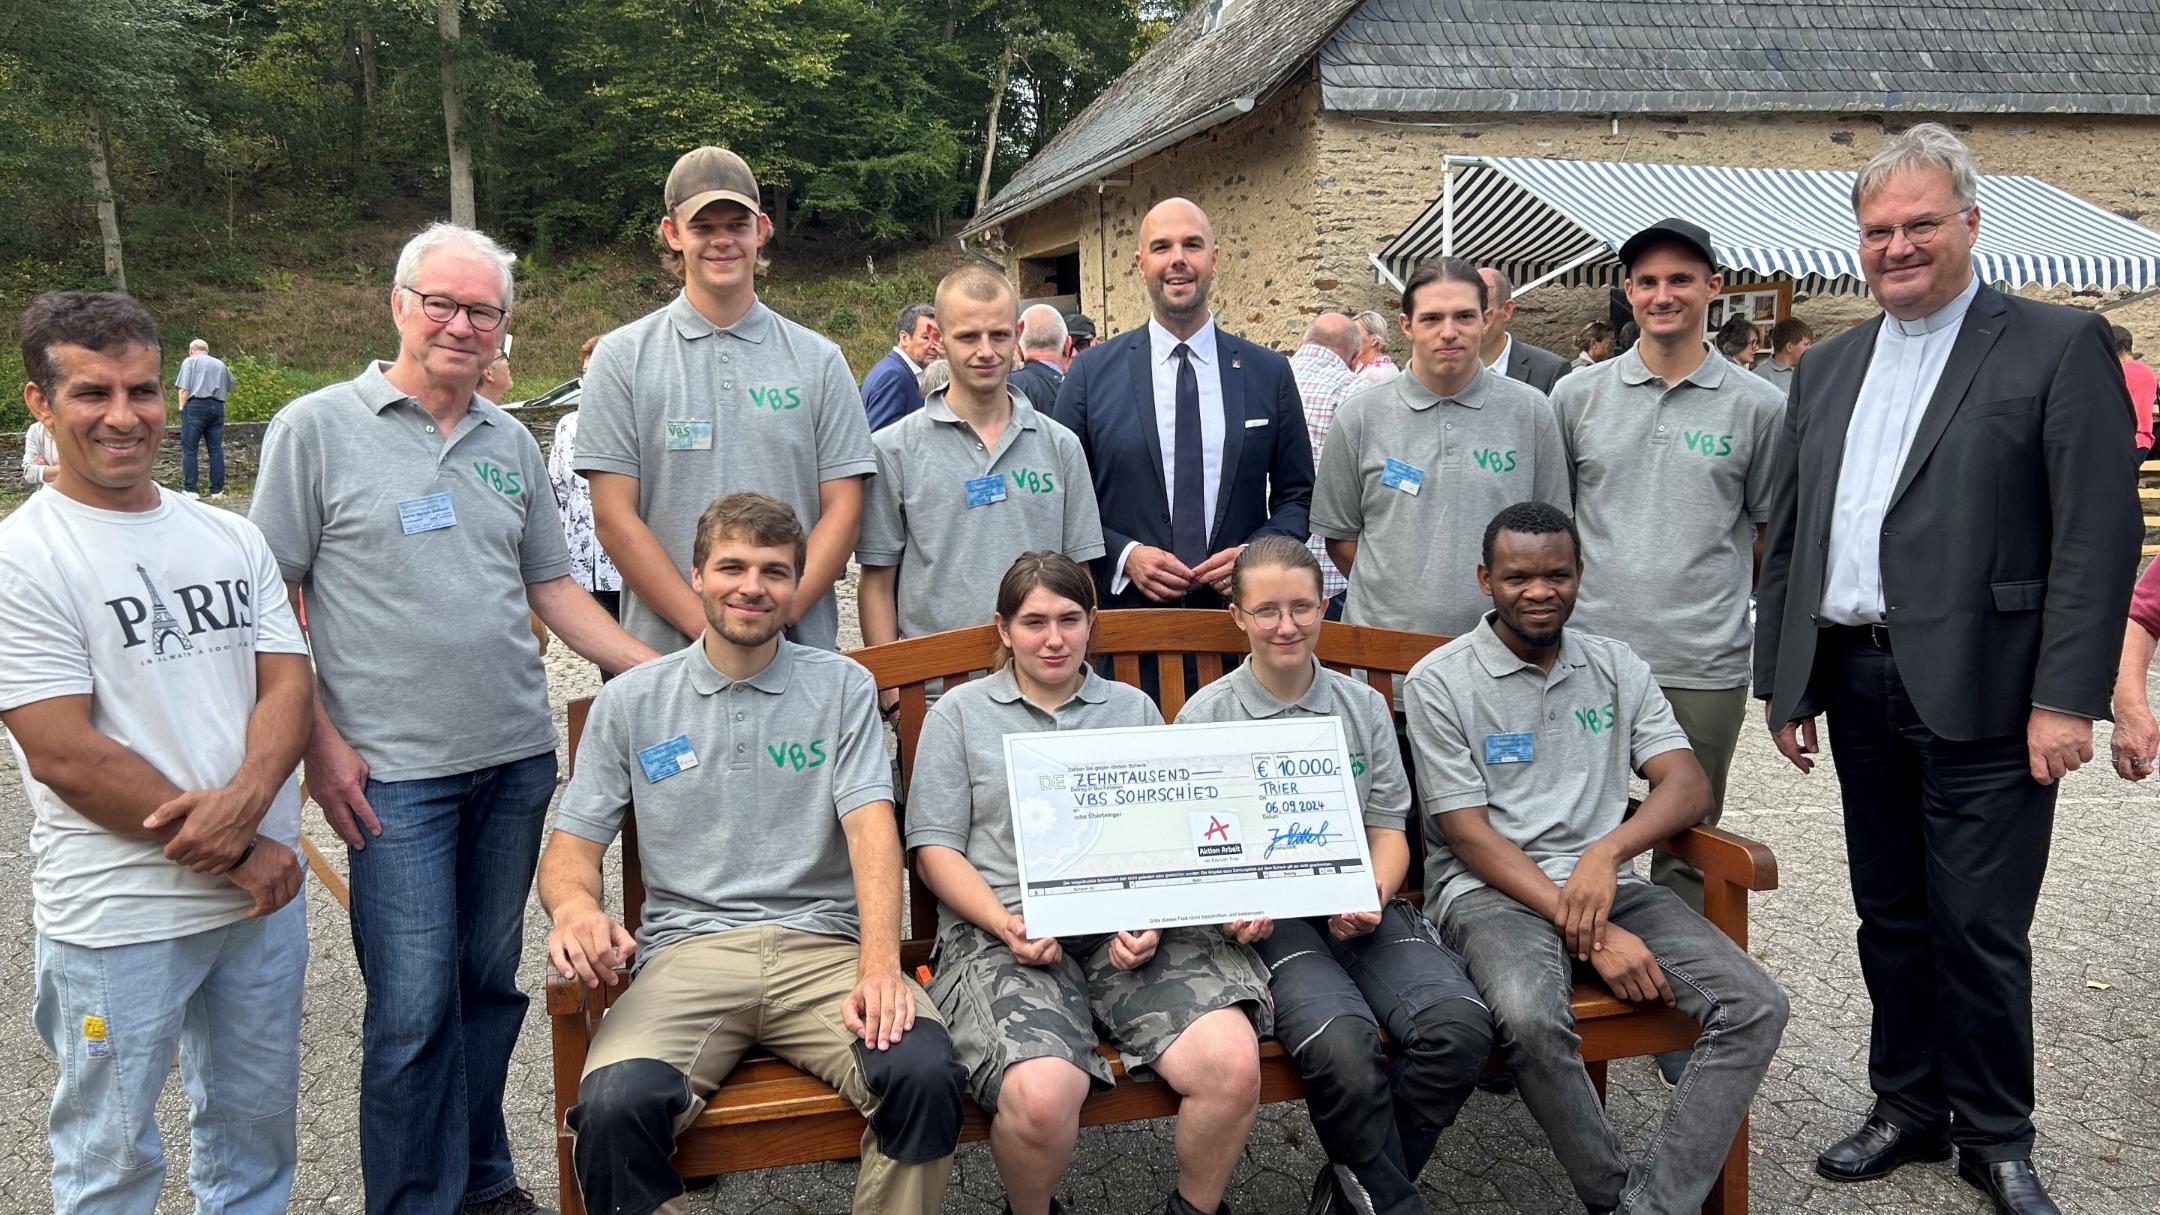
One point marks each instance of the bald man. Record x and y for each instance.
(1533, 365)
(1195, 438)
(1322, 367)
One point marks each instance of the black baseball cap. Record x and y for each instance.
(1078, 325)
(1677, 231)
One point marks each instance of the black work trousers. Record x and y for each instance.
(1948, 843)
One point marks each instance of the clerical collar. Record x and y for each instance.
(1942, 318)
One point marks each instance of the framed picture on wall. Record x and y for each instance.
(1764, 304)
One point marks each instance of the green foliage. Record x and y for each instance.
(262, 386)
(864, 118)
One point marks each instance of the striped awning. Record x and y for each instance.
(1562, 221)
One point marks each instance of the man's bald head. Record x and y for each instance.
(1336, 332)
(1176, 261)
(1175, 212)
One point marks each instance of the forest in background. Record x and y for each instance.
(253, 162)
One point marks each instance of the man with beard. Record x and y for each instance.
(1195, 438)
(1525, 733)
(772, 875)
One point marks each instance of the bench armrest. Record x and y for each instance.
(565, 997)
(1726, 857)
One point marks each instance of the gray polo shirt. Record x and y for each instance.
(414, 551)
(1368, 730)
(694, 412)
(740, 786)
(958, 798)
(1547, 753)
(1670, 481)
(205, 378)
(1777, 376)
(953, 516)
(1490, 446)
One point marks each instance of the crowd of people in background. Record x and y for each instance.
(1591, 535)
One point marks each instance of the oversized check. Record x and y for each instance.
(1160, 826)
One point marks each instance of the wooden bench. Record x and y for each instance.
(768, 1113)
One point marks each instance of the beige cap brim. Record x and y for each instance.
(698, 202)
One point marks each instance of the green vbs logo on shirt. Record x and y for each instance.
(1357, 764)
(778, 400)
(1493, 460)
(1703, 443)
(796, 757)
(1028, 480)
(1597, 718)
(508, 484)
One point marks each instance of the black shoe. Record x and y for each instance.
(2010, 1184)
(1500, 1084)
(1877, 1149)
(1322, 1201)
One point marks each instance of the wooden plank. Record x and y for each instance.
(325, 874)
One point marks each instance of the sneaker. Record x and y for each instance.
(1671, 1063)
(514, 1201)
(190, 495)
(217, 495)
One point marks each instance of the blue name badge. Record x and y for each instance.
(1510, 748)
(1408, 478)
(662, 760)
(983, 491)
(429, 514)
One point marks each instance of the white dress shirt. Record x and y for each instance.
(1163, 369)
(914, 368)
(1901, 377)
(1499, 364)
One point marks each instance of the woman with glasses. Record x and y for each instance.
(1184, 1003)
(1338, 979)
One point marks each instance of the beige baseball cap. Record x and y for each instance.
(709, 174)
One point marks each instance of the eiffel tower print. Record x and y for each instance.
(162, 624)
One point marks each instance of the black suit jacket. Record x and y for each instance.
(1108, 400)
(1536, 366)
(2012, 536)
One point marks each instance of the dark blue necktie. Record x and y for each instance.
(1188, 509)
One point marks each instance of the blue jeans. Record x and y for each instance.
(203, 421)
(438, 923)
(228, 1000)
(1525, 974)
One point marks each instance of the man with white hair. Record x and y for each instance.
(1372, 362)
(1043, 358)
(204, 383)
(1953, 535)
(416, 518)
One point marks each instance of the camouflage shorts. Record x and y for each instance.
(1001, 1011)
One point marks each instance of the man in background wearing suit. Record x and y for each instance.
(1533, 365)
(1196, 439)
(890, 390)
(1952, 541)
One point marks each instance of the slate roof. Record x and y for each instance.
(1693, 56)
(1630, 56)
(1191, 71)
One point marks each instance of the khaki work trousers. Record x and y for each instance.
(1712, 721)
(701, 1004)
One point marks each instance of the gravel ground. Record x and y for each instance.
(2097, 1006)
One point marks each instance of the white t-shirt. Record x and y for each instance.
(158, 617)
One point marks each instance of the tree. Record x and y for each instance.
(453, 108)
(122, 67)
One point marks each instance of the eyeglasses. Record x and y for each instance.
(440, 308)
(1922, 231)
(1301, 614)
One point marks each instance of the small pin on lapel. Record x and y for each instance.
(1235, 363)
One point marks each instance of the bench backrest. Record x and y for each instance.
(1162, 636)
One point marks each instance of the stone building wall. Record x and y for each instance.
(1381, 175)
(1254, 177)
(1300, 197)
